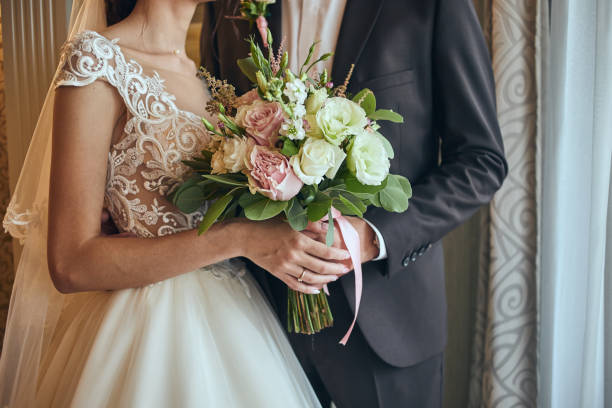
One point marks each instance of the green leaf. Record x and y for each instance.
(264, 209)
(247, 198)
(189, 199)
(248, 68)
(214, 212)
(355, 186)
(319, 207)
(289, 148)
(229, 212)
(227, 179)
(197, 165)
(406, 186)
(385, 114)
(329, 237)
(347, 207)
(393, 197)
(296, 215)
(367, 100)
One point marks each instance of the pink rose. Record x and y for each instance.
(247, 98)
(272, 175)
(262, 121)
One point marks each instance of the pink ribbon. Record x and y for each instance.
(262, 26)
(353, 245)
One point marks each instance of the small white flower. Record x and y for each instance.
(293, 129)
(295, 90)
(299, 111)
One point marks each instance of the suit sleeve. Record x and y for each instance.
(472, 163)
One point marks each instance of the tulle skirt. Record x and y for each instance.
(204, 339)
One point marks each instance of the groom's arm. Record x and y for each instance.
(473, 166)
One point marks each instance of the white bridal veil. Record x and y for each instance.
(35, 303)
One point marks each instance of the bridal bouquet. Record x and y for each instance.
(294, 146)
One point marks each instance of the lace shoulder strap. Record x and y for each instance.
(90, 56)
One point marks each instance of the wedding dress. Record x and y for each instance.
(207, 338)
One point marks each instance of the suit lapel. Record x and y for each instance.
(357, 24)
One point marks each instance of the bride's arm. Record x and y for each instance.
(81, 259)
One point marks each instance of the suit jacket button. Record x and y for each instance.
(406, 262)
(413, 258)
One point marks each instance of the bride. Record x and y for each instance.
(163, 317)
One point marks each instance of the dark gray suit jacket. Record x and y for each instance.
(428, 61)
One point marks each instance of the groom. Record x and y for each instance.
(428, 61)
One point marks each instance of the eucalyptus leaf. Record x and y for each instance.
(393, 197)
(247, 198)
(366, 99)
(355, 186)
(214, 212)
(406, 186)
(198, 165)
(346, 207)
(386, 114)
(296, 215)
(264, 209)
(189, 199)
(319, 207)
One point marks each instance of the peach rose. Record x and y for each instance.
(271, 175)
(262, 121)
(247, 98)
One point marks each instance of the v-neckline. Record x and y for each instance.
(170, 97)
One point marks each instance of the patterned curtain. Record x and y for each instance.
(504, 354)
(6, 244)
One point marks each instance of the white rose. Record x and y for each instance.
(317, 158)
(368, 159)
(235, 152)
(340, 117)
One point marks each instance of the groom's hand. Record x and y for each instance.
(367, 237)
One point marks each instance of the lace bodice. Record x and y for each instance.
(145, 160)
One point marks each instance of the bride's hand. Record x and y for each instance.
(286, 254)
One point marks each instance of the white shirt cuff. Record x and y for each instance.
(381, 241)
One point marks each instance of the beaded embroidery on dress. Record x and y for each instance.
(145, 163)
